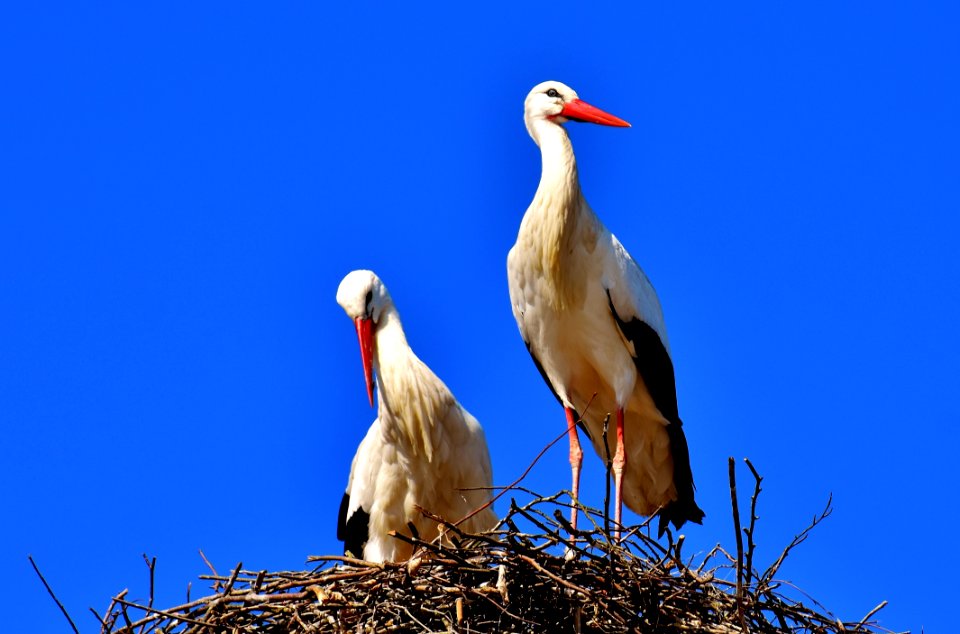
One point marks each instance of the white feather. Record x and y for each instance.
(423, 449)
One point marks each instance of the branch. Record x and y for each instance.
(751, 545)
(522, 475)
(731, 468)
(797, 540)
(52, 595)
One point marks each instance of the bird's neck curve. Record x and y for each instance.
(391, 348)
(559, 212)
(559, 188)
(409, 396)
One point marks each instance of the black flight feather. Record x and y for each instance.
(354, 530)
(656, 369)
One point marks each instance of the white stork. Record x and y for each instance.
(424, 449)
(593, 325)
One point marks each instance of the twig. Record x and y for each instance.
(209, 565)
(563, 582)
(126, 617)
(111, 617)
(164, 613)
(751, 545)
(866, 618)
(151, 566)
(522, 475)
(233, 579)
(350, 561)
(796, 541)
(731, 468)
(258, 581)
(608, 462)
(99, 618)
(52, 595)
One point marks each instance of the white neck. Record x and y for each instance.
(409, 396)
(391, 355)
(559, 185)
(558, 214)
(391, 340)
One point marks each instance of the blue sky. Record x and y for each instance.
(184, 187)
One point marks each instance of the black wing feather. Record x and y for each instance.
(656, 369)
(353, 531)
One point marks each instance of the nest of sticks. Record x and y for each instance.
(531, 574)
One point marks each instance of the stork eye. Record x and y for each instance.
(553, 93)
(367, 303)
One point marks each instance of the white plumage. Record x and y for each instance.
(424, 449)
(593, 324)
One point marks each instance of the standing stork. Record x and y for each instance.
(593, 325)
(423, 450)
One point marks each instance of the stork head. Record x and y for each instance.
(364, 298)
(559, 103)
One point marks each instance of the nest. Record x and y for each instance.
(532, 574)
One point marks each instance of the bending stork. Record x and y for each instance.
(593, 325)
(423, 449)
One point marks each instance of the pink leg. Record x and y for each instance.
(619, 459)
(576, 459)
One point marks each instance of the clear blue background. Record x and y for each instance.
(184, 187)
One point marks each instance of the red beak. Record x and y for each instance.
(365, 335)
(577, 110)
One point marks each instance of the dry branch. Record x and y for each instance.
(52, 595)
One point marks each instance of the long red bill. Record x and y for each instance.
(365, 335)
(577, 110)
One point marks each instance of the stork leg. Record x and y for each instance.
(619, 459)
(576, 459)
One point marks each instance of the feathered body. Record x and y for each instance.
(423, 450)
(593, 324)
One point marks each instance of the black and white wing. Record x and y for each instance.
(636, 310)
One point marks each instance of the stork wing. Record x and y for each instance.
(472, 451)
(465, 466)
(636, 309)
(517, 303)
(353, 521)
(631, 293)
